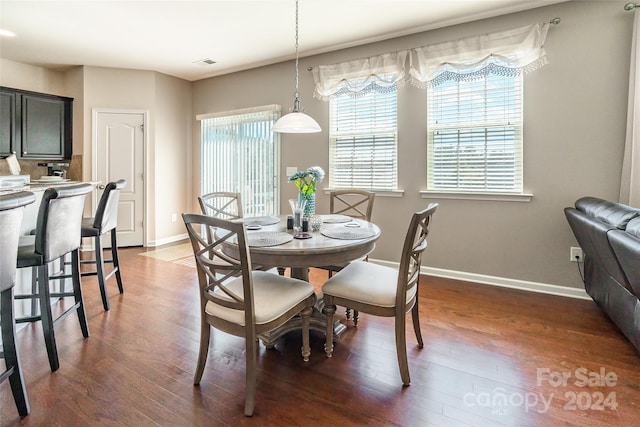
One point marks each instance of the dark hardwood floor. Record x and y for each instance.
(492, 357)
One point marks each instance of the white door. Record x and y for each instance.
(118, 147)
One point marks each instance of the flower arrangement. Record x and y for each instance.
(306, 180)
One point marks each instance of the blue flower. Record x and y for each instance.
(306, 180)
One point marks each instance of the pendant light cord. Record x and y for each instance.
(296, 95)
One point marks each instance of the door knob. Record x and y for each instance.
(100, 187)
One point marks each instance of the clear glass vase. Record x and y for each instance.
(297, 208)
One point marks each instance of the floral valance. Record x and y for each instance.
(359, 75)
(511, 52)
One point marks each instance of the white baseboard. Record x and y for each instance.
(166, 240)
(504, 282)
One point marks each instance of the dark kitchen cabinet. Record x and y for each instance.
(35, 125)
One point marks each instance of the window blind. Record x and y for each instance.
(363, 140)
(239, 153)
(475, 135)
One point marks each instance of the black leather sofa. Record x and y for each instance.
(609, 234)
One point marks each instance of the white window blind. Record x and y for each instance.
(239, 153)
(475, 135)
(363, 140)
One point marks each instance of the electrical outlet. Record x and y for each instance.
(174, 217)
(576, 254)
(291, 170)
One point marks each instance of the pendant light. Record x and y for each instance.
(296, 121)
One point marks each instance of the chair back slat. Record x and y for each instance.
(221, 204)
(415, 244)
(352, 202)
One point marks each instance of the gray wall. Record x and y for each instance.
(575, 114)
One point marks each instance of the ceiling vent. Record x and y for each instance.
(206, 61)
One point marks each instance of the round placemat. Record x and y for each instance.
(261, 220)
(348, 233)
(268, 238)
(335, 218)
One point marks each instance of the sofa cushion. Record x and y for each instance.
(633, 227)
(615, 214)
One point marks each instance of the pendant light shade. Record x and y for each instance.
(296, 121)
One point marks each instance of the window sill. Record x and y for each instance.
(380, 193)
(496, 197)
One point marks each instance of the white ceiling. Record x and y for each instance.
(171, 36)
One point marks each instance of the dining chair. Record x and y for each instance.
(11, 213)
(58, 232)
(238, 300)
(221, 204)
(105, 221)
(226, 205)
(384, 291)
(357, 204)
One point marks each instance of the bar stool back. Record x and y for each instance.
(11, 212)
(105, 220)
(57, 234)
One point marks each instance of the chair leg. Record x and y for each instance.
(46, 317)
(77, 292)
(305, 316)
(100, 272)
(62, 285)
(34, 290)
(205, 336)
(415, 316)
(11, 354)
(329, 310)
(250, 382)
(116, 260)
(401, 348)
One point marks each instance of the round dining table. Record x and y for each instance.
(339, 240)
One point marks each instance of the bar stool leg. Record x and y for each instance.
(77, 292)
(34, 290)
(116, 261)
(100, 272)
(47, 317)
(11, 356)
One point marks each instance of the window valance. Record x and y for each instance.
(512, 52)
(360, 75)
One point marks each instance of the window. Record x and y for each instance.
(363, 136)
(475, 135)
(239, 153)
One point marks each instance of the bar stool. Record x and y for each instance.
(105, 220)
(58, 232)
(11, 212)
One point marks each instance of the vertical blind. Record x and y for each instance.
(363, 140)
(475, 135)
(240, 153)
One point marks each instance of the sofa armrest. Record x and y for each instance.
(626, 247)
(615, 214)
(592, 238)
